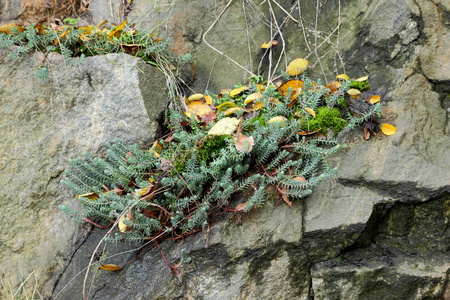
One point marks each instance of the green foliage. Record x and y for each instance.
(178, 186)
(210, 147)
(360, 85)
(326, 118)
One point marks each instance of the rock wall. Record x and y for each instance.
(379, 231)
(43, 125)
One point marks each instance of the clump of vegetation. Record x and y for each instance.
(326, 119)
(71, 41)
(243, 140)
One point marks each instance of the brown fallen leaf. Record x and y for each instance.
(241, 207)
(366, 133)
(244, 143)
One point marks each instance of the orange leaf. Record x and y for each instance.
(294, 84)
(388, 129)
(333, 87)
(199, 107)
(110, 267)
(7, 28)
(375, 99)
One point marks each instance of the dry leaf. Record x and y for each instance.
(116, 31)
(334, 86)
(294, 84)
(208, 117)
(258, 105)
(354, 93)
(199, 107)
(311, 111)
(103, 22)
(388, 129)
(284, 197)
(241, 207)
(122, 226)
(269, 44)
(244, 143)
(279, 120)
(238, 91)
(366, 133)
(208, 99)
(361, 79)
(253, 97)
(309, 132)
(375, 99)
(224, 106)
(300, 178)
(297, 66)
(90, 196)
(7, 28)
(342, 76)
(194, 97)
(224, 126)
(232, 110)
(110, 267)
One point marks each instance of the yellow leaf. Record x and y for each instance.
(232, 110)
(225, 106)
(238, 91)
(224, 126)
(154, 153)
(342, 76)
(310, 111)
(110, 267)
(375, 99)
(388, 129)
(199, 107)
(353, 92)
(188, 114)
(252, 97)
(269, 44)
(122, 226)
(90, 196)
(208, 99)
(117, 30)
(103, 22)
(7, 28)
(361, 79)
(258, 105)
(279, 120)
(297, 66)
(195, 97)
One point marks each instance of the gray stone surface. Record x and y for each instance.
(43, 125)
(379, 231)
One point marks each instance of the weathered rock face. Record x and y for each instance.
(43, 125)
(380, 231)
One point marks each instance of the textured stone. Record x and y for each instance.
(43, 125)
(380, 230)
